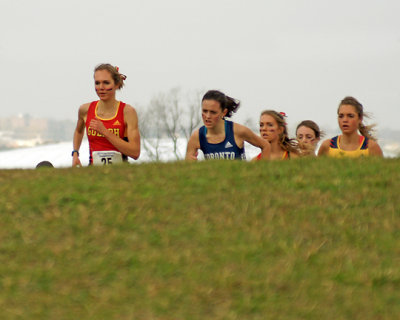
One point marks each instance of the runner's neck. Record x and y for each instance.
(218, 129)
(107, 108)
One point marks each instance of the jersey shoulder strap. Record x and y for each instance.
(364, 144)
(202, 137)
(334, 142)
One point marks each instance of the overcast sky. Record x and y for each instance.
(297, 56)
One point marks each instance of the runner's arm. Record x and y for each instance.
(193, 146)
(78, 134)
(324, 148)
(249, 136)
(375, 149)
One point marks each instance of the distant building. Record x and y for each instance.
(24, 130)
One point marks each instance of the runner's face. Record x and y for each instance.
(211, 113)
(269, 129)
(104, 85)
(306, 136)
(348, 119)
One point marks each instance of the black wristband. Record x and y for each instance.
(73, 151)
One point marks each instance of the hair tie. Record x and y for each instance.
(283, 115)
(122, 76)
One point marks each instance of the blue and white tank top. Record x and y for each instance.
(226, 149)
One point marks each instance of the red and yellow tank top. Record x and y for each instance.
(336, 152)
(116, 124)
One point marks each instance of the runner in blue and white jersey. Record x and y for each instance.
(220, 138)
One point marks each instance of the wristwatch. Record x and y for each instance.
(73, 151)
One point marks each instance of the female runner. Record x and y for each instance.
(220, 138)
(308, 135)
(111, 125)
(273, 129)
(350, 143)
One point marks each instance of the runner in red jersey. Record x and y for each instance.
(273, 128)
(115, 124)
(111, 125)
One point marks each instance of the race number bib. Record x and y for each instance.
(106, 157)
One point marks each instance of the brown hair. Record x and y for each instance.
(311, 125)
(366, 131)
(226, 102)
(289, 145)
(114, 71)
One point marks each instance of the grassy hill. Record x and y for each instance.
(301, 239)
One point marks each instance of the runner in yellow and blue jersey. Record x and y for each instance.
(350, 143)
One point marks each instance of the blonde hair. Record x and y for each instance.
(114, 71)
(287, 144)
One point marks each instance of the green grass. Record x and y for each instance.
(301, 239)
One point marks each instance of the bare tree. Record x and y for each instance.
(169, 108)
(192, 114)
(248, 122)
(172, 115)
(150, 132)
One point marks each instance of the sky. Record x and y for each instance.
(297, 56)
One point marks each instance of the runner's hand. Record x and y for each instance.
(97, 125)
(76, 162)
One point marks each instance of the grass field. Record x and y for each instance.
(301, 239)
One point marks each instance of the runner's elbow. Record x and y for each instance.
(134, 154)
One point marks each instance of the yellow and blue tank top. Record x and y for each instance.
(336, 152)
(226, 149)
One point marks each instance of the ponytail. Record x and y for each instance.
(367, 131)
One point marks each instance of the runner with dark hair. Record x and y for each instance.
(220, 138)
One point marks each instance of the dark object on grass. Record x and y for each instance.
(44, 164)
